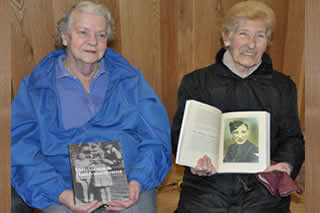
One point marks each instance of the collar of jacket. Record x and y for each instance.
(265, 67)
(43, 76)
(262, 75)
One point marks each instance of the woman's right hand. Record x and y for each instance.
(204, 167)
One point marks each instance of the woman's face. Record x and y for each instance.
(247, 44)
(86, 40)
(240, 135)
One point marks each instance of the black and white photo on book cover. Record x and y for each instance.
(98, 172)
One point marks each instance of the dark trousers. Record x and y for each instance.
(17, 204)
(228, 193)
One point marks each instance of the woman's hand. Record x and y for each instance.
(282, 167)
(67, 199)
(134, 195)
(204, 167)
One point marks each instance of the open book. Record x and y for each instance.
(98, 172)
(236, 142)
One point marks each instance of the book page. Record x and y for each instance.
(245, 142)
(199, 134)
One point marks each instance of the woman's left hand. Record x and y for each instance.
(134, 195)
(282, 167)
(67, 199)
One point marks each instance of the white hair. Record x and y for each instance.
(90, 7)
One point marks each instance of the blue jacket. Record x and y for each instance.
(131, 114)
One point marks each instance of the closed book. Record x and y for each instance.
(98, 172)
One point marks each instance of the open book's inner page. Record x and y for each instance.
(199, 134)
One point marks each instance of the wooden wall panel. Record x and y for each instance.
(140, 38)
(207, 42)
(169, 56)
(312, 24)
(5, 97)
(185, 37)
(31, 36)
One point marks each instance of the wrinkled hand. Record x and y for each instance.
(134, 195)
(67, 199)
(204, 167)
(282, 167)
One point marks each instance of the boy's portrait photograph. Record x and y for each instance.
(241, 144)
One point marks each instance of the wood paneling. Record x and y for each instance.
(312, 78)
(32, 37)
(5, 97)
(169, 54)
(140, 38)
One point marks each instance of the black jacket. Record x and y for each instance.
(265, 90)
(245, 153)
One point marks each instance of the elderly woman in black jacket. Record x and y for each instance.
(242, 79)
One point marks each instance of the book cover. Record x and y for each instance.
(98, 172)
(236, 142)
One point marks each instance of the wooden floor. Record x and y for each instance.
(168, 194)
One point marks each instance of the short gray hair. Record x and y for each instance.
(63, 25)
(249, 10)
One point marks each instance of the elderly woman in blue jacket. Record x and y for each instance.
(86, 92)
